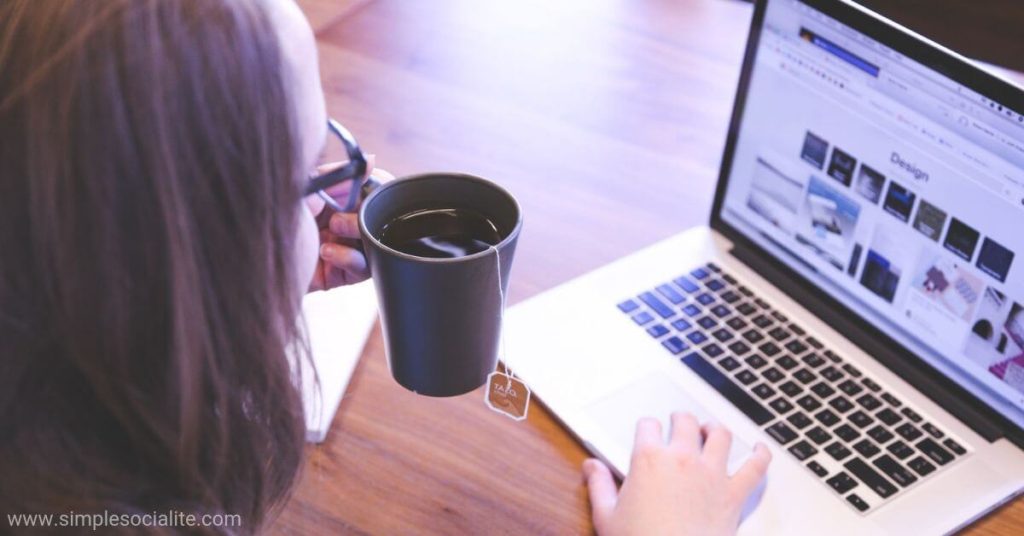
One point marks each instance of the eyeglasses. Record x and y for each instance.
(354, 170)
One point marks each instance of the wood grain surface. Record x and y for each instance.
(606, 118)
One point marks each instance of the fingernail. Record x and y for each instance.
(588, 467)
(326, 251)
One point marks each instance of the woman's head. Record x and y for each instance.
(153, 246)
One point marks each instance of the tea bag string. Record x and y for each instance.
(501, 318)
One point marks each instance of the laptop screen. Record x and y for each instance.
(891, 187)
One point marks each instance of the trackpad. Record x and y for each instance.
(652, 396)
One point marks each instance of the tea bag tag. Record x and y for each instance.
(507, 395)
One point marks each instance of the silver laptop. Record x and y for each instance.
(857, 300)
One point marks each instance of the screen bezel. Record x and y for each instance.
(930, 381)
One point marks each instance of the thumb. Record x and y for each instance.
(603, 493)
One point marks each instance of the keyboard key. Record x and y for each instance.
(756, 361)
(739, 348)
(657, 305)
(779, 316)
(850, 387)
(729, 279)
(796, 329)
(813, 360)
(869, 402)
(871, 385)
(787, 362)
(713, 350)
(908, 431)
(921, 466)
(642, 318)
(851, 370)
(808, 402)
(746, 309)
(753, 336)
(773, 375)
(819, 435)
(691, 310)
(727, 388)
(729, 364)
(781, 405)
(866, 448)
(831, 374)
(842, 482)
(895, 470)
(628, 306)
(763, 391)
(674, 344)
(769, 349)
(736, 323)
(721, 311)
(686, 284)
(714, 284)
(722, 334)
(781, 432)
(823, 390)
(791, 388)
(796, 346)
(800, 420)
(697, 337)
(932, 430)
(762, 304)
(900, 450)
(832, 356)
(955, 447)
(817, 469)
(838, 451)
(911, 414)
(705, 298)
(699, 273)
(707, 322)
(670, 293)
(657, 331)
(713, 267)
(762, 321)
(730, 297)
(746, 377)
(866, 474)
(880, 434)
(860, 419)
(889, 416)
(857, 502)
(804, 376)
(779, 333)
(846, 432)
(826, 417)
(802, 450)
(814, 343)
(932, 449)
(891, 400)
(681, 324)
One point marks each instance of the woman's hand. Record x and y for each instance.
(341, 262)
(676, 488)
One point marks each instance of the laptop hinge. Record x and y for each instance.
(940, 389)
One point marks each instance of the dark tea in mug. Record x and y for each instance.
(441, 233)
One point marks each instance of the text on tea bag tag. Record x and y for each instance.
(505, 393)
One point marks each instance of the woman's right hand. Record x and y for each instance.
(678, 487)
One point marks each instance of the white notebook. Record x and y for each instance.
(339, 322)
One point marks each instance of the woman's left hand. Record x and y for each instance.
(341, 262)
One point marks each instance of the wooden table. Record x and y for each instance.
(607, 119)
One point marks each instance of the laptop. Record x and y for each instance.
(856, 301)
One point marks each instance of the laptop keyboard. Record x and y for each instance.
(846, 428)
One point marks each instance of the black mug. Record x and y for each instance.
(441, 317)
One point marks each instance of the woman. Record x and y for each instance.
(155, 242)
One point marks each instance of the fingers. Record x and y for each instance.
(345, 224)
(648, 432)
(685, 433)
(343, 265)
(717, 442)
(749, 475)
(602, 490)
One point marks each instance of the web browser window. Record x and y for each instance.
(893, 188)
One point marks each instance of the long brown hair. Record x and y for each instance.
(149, 196)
